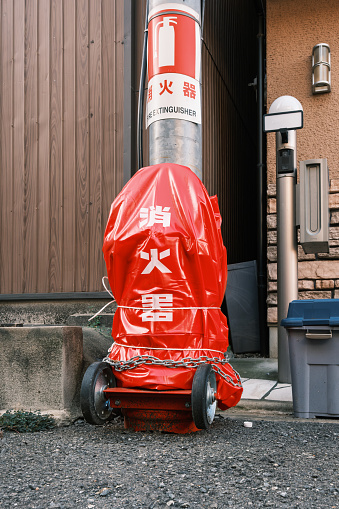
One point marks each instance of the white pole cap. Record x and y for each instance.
(284, 104)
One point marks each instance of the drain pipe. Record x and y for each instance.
(174, 103)
(261, 175)
(141, 94)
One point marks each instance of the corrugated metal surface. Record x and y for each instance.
(61, 100)
(229, 57)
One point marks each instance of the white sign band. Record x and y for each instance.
(173, 95)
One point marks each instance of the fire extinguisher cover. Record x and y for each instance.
(167, 268)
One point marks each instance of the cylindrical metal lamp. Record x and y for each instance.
(321, 69)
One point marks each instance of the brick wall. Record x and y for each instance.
(318, 275)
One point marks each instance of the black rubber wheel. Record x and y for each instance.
(203, 396)
(94, 405)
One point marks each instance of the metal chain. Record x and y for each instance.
(186, 362)
(228, 378)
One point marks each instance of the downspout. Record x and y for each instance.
(128, 91)
(140, 120)
(261, 175)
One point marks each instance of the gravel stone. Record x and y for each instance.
(278, 464)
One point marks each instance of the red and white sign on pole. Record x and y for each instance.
(174, 59)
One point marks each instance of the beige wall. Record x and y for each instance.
(293, 28)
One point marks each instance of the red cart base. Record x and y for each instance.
(169, 421)
(146, 410)
(172, 411)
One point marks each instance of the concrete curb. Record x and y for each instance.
(41, 368)
(260, 406)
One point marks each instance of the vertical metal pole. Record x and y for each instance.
(172, 140)
(287, 249)
(261, 203)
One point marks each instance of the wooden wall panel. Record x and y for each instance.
(109, 85)
(55, 148)
(31, 146)
(69, 144)
(16, 247)
(44, 119)
(95, 132)
(61, 141)
(7, 127)
(112, 84)
(82, 143)
(118, 91)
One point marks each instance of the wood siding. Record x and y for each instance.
(61, 138)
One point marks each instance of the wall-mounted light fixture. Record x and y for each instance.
(321, 69)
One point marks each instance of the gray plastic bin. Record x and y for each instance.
(313, 338)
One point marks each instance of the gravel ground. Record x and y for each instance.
(272, 464)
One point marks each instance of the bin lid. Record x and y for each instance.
(312, 312)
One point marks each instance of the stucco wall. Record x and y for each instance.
(293, 28)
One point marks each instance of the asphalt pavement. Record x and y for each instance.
(254, 455)
(273, 463)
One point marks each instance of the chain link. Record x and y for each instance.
(228, 378)
(186, 362)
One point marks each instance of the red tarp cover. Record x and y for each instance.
(164, 252)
